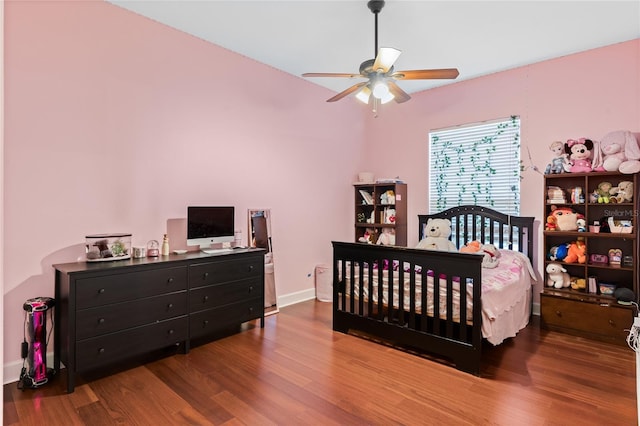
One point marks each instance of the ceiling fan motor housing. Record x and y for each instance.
(375, 5)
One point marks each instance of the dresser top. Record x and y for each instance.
(188, 257)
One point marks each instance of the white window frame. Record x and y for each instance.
(476, 164)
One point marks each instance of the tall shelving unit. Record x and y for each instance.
(582, 312)
(372, 211)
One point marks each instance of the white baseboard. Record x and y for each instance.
(11, 371)
(535, 309)
(293, 298)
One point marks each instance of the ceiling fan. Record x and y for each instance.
(380, 86)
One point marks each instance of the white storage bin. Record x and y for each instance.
(324, 285)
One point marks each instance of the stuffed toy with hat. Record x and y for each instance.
(436, 236)
(558, 252)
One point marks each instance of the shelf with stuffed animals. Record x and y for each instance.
(591, 195)
(381, 213)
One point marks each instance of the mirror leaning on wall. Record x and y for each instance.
(260, 237)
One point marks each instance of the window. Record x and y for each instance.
(476, 164)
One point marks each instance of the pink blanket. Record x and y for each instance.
(506, 295)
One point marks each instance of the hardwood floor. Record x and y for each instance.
(297, 371)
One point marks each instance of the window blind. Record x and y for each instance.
(476, 164)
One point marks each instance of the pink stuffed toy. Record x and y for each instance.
(579, 154)
(619, 151)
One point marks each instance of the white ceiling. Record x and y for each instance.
(477, 37)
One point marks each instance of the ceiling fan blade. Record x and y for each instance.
(399, 95)
(426, 74)
(331, 74)
(347, 92)
(385, 59)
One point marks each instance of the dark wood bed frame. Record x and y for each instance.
(458, 341)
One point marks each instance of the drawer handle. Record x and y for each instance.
(205, 298)
(612, 323)
(171, 332)
(170, 280)
(205, 323)
(101, 291)
(251, 310)
(250, 268)
(170, 305)
(558, 313)
(205, 275)
(250, 289)
(101, 351)
(101, 321)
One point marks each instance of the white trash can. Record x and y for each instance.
(324, 287)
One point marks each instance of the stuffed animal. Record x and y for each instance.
(565, 218)
(388, 197)
(389, 215)
(579, 284)
(491, 256)
(618, 151)
(579, 154)
(623, 193)
(437, 232)
(490, 252)
(471, 247)
(557, 276)
(576, 252)
(559, 162)
(582, 224)
(368, 237)
(604, 193)
(387, 237)
(551, 223)
(558, 252)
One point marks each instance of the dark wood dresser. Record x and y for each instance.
(109, 311)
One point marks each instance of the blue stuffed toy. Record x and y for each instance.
(558, 253)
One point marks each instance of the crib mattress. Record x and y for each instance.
(506, 293)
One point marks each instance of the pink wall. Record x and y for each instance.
(583, 95)
(116, 123)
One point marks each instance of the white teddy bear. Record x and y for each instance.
(557, 276)
(436, 236)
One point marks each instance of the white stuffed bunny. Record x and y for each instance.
(557, 276)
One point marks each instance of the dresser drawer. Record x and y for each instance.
(222, 294)
(203, 274)
(205, 322)
(602, 322)
(101, 320)
(98, 291)
(92, 353)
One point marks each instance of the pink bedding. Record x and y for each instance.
(506, 295)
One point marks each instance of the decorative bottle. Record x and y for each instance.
(165, 245)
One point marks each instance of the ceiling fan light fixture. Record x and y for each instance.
(364, 94)
(381, 90)
(387, 98)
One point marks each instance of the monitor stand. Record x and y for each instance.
(226, 247)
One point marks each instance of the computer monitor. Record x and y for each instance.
(209, 225)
